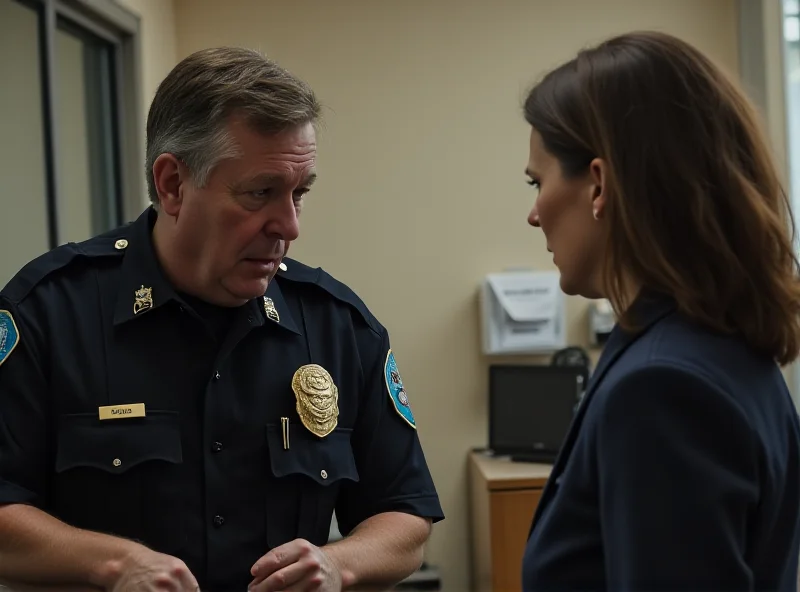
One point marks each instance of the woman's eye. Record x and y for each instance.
(534, 183)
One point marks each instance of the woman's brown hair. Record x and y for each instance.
(695, 205)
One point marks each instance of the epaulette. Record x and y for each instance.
(301, 273)
(45, 265)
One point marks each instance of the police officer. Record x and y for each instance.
(182, 406)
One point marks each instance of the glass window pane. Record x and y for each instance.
(792, 65)
(23, 172)
(87, 171)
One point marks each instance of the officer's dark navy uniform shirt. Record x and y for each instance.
(681, 470)
(206, 474)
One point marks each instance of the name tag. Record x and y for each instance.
(121, 411)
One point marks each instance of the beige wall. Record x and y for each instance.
(158, 49)
(421, 190)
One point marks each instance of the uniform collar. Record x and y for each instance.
(275, 310)
(648, 308)
(143, 286)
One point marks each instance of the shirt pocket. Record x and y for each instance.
(122, 477)
(305, 478)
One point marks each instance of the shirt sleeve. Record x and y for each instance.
(678, 478)
(24, 437)
(393, 473)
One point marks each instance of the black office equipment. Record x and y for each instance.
(531, 409)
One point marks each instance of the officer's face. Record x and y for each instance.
(234, 231)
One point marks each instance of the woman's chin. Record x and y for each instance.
(572, 287)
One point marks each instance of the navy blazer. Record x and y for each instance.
(681, 470)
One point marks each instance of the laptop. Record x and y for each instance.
(531, 408)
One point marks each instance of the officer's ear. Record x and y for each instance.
(169, 176)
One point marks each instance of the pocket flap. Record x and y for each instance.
(325, 460)
(117, 445)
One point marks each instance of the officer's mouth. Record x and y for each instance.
(263, 265)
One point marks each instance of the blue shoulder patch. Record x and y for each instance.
(396, 390)
(9, 335)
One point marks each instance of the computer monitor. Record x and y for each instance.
(531, 409)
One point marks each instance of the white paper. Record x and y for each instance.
(523, 312)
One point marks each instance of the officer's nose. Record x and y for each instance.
(533, 217)
(283, 220)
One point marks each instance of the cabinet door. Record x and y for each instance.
(511, 515)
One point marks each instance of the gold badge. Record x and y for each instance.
(317, 399)
(144, 300)
(272, 312)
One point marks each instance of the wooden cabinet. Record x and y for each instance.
(503, 498)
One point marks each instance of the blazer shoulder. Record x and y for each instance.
(681, 344)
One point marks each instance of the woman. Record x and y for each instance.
(656, 191)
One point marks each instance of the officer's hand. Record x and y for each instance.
(144, 570)
(297, 565)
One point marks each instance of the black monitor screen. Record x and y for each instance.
(531, 407)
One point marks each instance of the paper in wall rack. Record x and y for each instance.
(523, 312)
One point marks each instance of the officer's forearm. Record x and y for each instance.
(18, 587)
(381, 551)
(37, 549)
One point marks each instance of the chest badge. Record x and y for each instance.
(143, 300)
(272, 312)
(317, 399)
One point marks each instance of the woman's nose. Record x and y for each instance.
(533, 218)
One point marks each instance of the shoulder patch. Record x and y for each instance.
(9, 335)
(397, 391)
(298, 272)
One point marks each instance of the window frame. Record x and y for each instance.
(121, 28)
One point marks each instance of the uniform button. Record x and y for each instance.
(216, 376)
(121, 244)
(324, 474)
(216, 447)
(116, 462)
(218, 521)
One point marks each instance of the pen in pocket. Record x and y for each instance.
(285, 431)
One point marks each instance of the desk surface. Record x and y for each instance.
(500, 472)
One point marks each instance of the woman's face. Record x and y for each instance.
(570, 213)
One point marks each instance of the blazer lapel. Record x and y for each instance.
(648, 309)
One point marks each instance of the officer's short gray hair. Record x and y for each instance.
(193, 104)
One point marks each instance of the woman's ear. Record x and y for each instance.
(168, 175)
(598, 175)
